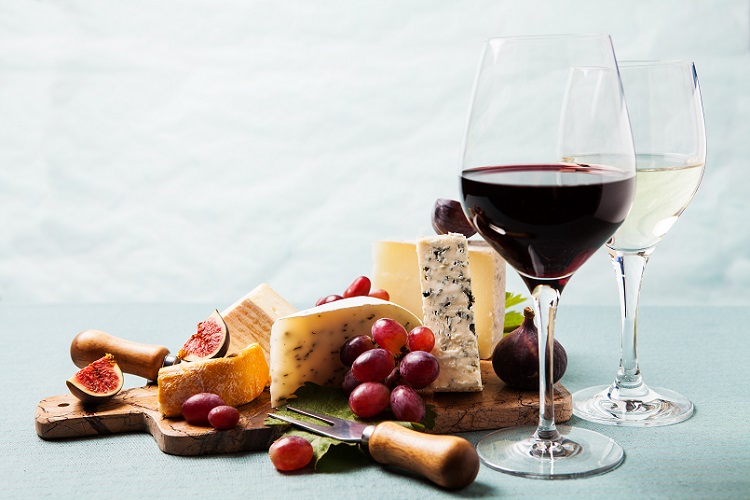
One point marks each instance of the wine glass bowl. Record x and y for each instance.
(666, 113)
(547, 175)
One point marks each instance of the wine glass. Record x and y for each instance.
(666, 113)
(547, 176)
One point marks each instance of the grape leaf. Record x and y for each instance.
(331, 401)
(513, 319)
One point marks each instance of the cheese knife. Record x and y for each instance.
(143, 360)
(448, 461)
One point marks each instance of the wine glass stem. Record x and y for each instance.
(546, 299)
(629, 269)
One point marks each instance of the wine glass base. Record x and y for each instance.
(580, 453)
(658, 407)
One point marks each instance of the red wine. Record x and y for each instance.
(547, 220)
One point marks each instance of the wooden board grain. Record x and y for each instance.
(495, 407)
(136, 410)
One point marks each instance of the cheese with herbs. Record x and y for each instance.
(395, 269)
(250, 319)
(447, 302)
(305, 345)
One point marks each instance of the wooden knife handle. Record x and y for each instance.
(449, 461)
(143, 360)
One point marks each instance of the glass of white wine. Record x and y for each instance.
(666, 114)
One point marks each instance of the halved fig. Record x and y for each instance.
(211, 340)
(98, 381)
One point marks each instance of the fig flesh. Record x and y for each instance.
(516, 357)
(98, 381)
(211, 340)
(448, 217)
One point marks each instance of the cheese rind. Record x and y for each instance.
(447, 307)
(236, 379)
(487, 269)
(395, 269)
(305, 345)
(250, 319)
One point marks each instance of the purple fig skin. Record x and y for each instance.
(106, 367)
(516, 357)
(448, 217)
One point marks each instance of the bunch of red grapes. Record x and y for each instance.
(388, 368)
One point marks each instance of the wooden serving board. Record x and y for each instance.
(136, 410)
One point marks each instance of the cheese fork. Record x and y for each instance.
(448, 461)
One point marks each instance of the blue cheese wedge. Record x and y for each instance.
(395, 269)
(447, 305)
(305, 345)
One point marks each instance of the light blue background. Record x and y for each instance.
(164, 151)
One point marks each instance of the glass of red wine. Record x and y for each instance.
(547, 176)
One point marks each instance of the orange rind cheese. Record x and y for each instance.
(237, 379)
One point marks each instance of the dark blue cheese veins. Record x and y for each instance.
(447, 306)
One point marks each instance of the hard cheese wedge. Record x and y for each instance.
(250, 319)
(237, 379)
(396, 270)
(305, 345)
(447, 304)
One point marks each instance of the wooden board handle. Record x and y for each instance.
(143, 360)
(449, 461)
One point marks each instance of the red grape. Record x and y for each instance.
(394, 379)
(420, 338)
(373, 365)
(353, 347)
(359, 287)
(290, 453)
(195, 408)
(369, 399)
(406, 404)
(380, 294)
(419, 369)
(389, 334)
(224, 417)
(349, 383)
(327, 299)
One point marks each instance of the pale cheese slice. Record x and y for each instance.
(447, 305)
(250, 319)
(396, 270)
(305, 345)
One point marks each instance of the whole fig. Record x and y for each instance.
(516, 357)
(449, 217)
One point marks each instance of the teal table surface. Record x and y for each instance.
(702, 353)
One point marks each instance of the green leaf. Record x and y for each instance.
(513, 319)
(331, 401)
(513, 299)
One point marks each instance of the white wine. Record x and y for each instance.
(665, 184)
